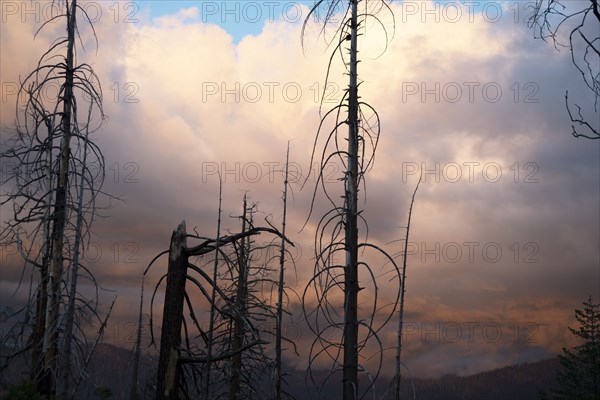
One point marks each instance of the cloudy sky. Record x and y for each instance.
(504, 242)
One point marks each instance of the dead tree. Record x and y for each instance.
(241, 307)
(169, 368)
(280, 287)
(57, 175)
(133, 395)
(575, 26)
(74, 274)
(337, 231)
(252, 284)
(60, 204)
(177, 352)
(213, 296)
(398, 374)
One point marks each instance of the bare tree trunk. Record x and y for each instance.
(350, 367)
(398, 376)
(240, 309)
(213, 296)
(169, 369)
(50, 195)
(138, 345)
(277, 394)
(37, 368)
(59, 216)
(93, 349)
(70, 311)
(340, 224)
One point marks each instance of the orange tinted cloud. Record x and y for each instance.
(505, 224)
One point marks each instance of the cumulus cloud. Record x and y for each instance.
(505, 226)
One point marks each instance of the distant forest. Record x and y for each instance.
(520, 381)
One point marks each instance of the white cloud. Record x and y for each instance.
(203, 101)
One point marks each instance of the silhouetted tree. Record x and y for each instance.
(237, 356)
(579, 375)
(57, 176)
(342, 337)
(280, 287)
(398, 374)
(574, 25)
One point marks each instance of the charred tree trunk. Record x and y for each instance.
(60, 213)
(350, 367)
(339, 226)
(169, 369)
(70, 311)
(277, 394)
(41, 301)
(37, 370)
(213, 297)
(240, 310)
(133, 395)
(99, 335)
(398, 377)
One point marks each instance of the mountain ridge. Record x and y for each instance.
(111, 372)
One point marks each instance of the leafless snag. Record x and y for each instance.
(90, 353)
(238, 331)
(133, 395)
(568, 24)
(280, 287)
(57, 176)
(238, 310)
(343, 338)
(211, 326)
(398, 375)
(257, 264)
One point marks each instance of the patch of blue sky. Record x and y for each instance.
(238, 17)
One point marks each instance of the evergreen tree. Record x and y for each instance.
(579, 375)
